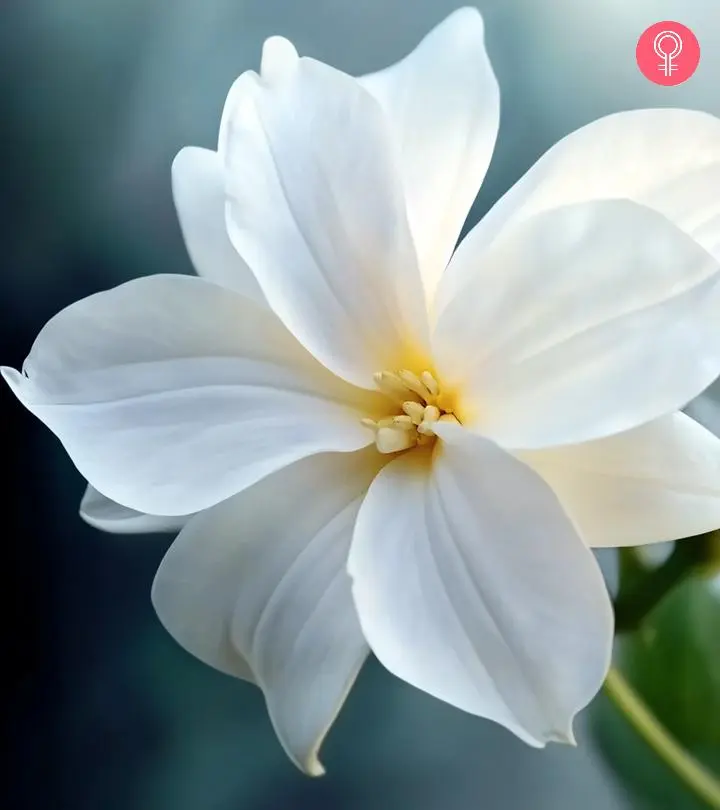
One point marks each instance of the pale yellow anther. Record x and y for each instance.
(427, 379)
(394, 439)
(413, 383)
(405, 422)
(391, 385)
(423, 404)
(414, 410)
(432, 414)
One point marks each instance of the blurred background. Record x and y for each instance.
(104, 711)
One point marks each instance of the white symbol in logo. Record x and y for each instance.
(668, 46)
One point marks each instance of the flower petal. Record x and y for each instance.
(443, 103)
(108, 516)
(199, 192)
(660, 481)
(639, 155)
(581, 322)
(317, 211)
(262, 576)
(170, 394)
(471, 584)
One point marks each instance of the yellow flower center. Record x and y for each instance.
(421, 404)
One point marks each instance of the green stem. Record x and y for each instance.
(634, 603)
(690, 772)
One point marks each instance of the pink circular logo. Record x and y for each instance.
(668, 53)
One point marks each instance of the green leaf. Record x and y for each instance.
(673, 662)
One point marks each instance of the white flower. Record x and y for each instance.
(524, 401)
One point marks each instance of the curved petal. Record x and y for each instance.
(249, 579)
(279, 60)
(443, 104)
(199, 191)
(660, 481)
(170, 394)
(581, 322)
(471, 584)
(108, 516)
(649, 156)
(317, 211)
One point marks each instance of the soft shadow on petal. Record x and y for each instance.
(472, 584)
(706, 408)
(443, 104)
(317, 210)
(262, 576)
(102, 513)
(171, 394)
(199, 191)
(580, 323)
(665, 158)
(660, 481)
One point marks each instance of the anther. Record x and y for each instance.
(391, 385)
(415, 411)
(427, 379)
(431, 415)
(413, 383)
(394, 439)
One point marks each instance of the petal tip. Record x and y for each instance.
(313, 767)
(17, 381)
(278, 60)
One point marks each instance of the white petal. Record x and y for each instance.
(639, 155)
(657, 482)
(581, 322)
(199, 193)
(170, 394)
(108, 516)
(262, 576)
(316, 210)
(471, 584)
(443, 103)
(279, 59)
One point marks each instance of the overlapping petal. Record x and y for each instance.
(108, 516)
(171, 393)
(581, 322)
(660, 481)
(443, 104)
(257, 587)
(318, 212)
(664, 158)
(199, 191)
(471, 584)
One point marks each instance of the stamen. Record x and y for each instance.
(394, 439)
(430, 383)
(415, 411)
(432, 414)
(422, 403)
(412, 382)
(391, 385)
(405, 422)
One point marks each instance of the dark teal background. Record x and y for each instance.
(96, 96)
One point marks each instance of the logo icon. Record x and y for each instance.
(668, 53)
